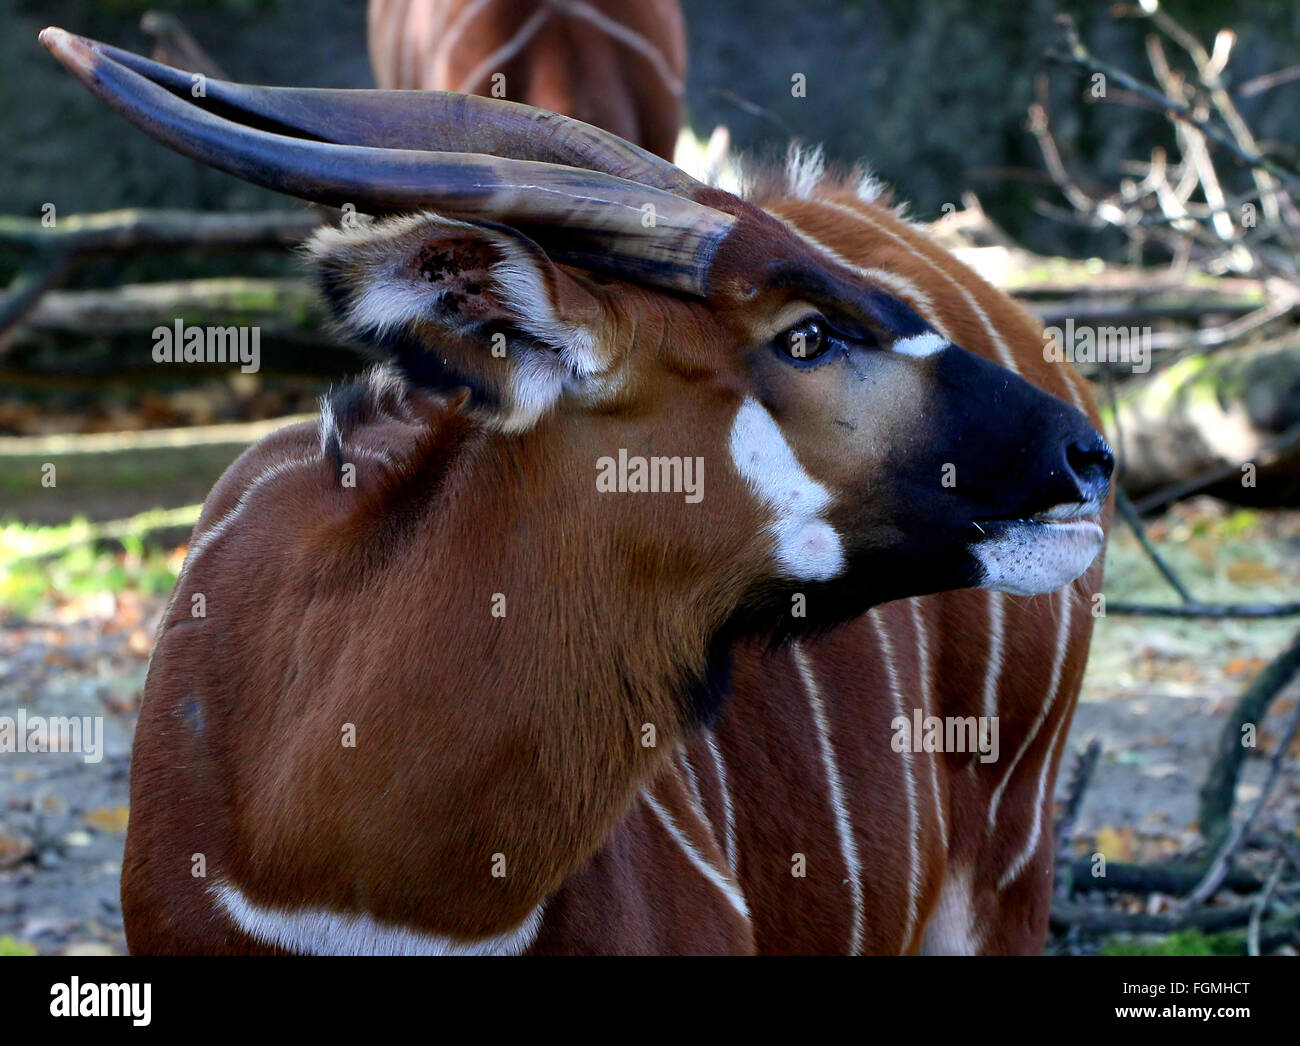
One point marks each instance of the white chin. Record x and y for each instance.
(1029, 557)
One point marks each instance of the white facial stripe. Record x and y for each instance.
(806, 545)
(921, 344)
(309, 931)
(1027, 559)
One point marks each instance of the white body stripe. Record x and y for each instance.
(693, 783)
(993, 672)
(1053, 690)
(504, 54)
(729, 888)
(909, 781)
(447, 40)
(728, 811)
(449, 35)
(626, 36)
(328, 428)
(835, 789)
(1049, 698)
(222, 525)
(923, 671)
(311, 931)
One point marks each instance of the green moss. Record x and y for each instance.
(41, 564)
(1187, 942)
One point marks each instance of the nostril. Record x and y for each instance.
(1091, 461)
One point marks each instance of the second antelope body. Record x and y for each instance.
(830, 365)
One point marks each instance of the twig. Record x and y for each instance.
(1080, 777)
(1040, 127)
(1134, 521)
(1209, 67)
(1259, 84)
(1235, 330)
(27, 289)
(1261, 905)
(1267, 685)
(1078, 55)
(1217, 611)
(61, 248)
(173, 45)
(1192, 143)
(754, 109)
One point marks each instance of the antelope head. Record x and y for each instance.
(577, 297)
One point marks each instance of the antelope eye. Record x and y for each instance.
(806, 340)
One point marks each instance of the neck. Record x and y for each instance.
(572, 658)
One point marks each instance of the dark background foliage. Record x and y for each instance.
(932, 94)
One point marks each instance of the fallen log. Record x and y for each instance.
(1219, 790)
(1173, 878)
(113, 475)
(139, 229)
(113, 332)
(1208, 415)
(59, 249)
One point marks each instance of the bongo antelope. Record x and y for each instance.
(449, 696)
(618, 65)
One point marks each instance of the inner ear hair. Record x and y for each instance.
(398, 271)
(431, 292)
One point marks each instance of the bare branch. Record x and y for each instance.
(1078, 55)
(1261, 906)
(1219, 790)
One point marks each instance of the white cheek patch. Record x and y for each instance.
(536, 385)
(921, 345)
(807, 547)
(1028, 559)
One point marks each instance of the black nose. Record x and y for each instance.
(1091, 464)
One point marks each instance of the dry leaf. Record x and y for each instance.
(111, 819)
(1115, 845)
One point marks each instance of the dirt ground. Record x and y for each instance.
(1154, 695)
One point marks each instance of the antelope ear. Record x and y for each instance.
(460, 305)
